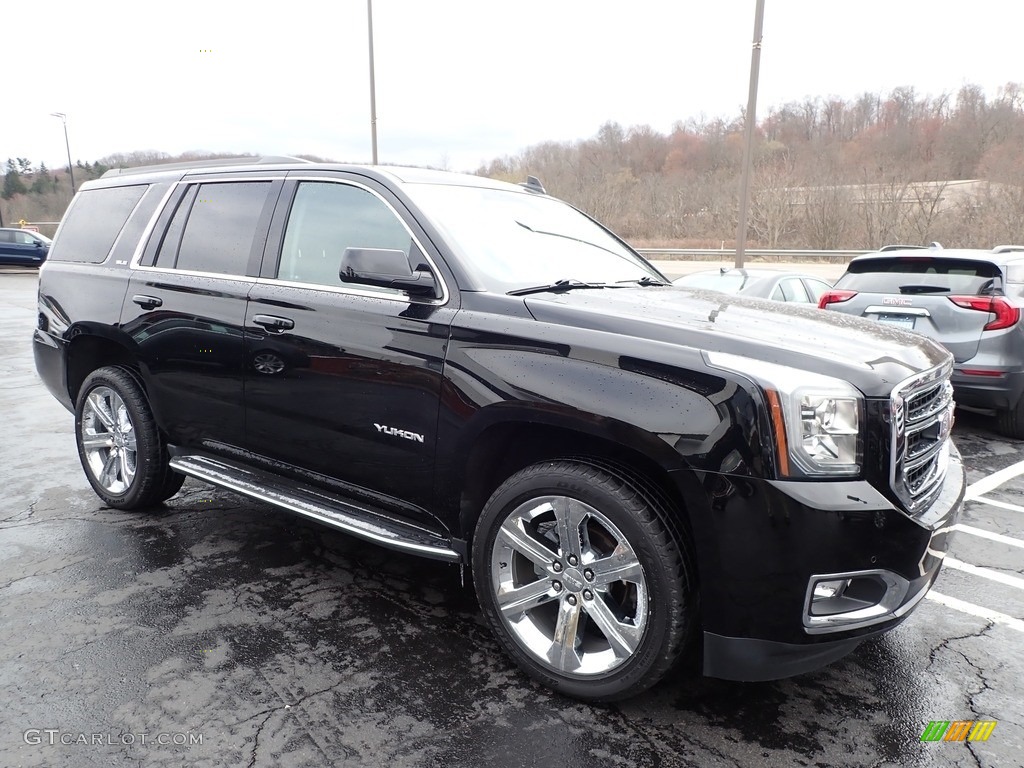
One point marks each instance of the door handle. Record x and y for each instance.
(274, 324)
(147, 302)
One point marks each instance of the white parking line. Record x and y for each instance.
(983, 534)
(993, 481)
(1000, 504)
(976, 610)
(985, 573)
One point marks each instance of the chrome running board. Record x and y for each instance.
(314, 504)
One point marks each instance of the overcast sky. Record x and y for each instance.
(459, 82)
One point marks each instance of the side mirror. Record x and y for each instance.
(386, 268)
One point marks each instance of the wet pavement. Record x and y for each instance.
(222, 632)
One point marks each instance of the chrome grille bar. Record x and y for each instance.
(922, 416)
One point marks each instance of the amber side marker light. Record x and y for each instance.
(779, 425)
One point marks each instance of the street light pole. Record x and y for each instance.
(748, 143)
(71, 170)
(373, 87)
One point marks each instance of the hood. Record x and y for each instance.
(871, 356)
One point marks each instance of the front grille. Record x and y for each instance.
(921, 403)
(922, 415)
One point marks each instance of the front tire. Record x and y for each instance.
(581, 580)
(119, 444)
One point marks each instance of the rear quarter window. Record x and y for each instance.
(92, 224)
(915, 274)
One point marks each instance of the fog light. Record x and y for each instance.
(842, 601)
(826, 590)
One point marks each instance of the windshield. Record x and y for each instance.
(512, 240)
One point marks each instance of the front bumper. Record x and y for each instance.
(762, 545)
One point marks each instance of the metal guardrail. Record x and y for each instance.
(760, 254)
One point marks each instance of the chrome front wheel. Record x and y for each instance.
(580, 579)
(569, 586)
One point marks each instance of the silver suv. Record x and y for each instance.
(968, 300)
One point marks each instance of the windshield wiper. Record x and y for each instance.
(923, 289)
(645, 281)
(556, 287)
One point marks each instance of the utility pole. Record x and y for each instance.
(373, 87)
(67, 146)
(748, 143)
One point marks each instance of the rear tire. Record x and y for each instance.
(581, 581)
(1011, 421)
(119, 444)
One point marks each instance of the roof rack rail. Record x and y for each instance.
(1008, 248)
(218, 162)
(896, 247)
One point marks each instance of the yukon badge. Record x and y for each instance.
(395, 432)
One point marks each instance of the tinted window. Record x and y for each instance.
(920, 274)
(93, 222)
(326, 219)
(168, 253)
(221, 226)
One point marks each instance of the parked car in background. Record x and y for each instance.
(759, 283)
(968, 300)
(23, 247)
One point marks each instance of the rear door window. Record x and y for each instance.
(221, 228)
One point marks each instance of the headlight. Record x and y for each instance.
(816, 419)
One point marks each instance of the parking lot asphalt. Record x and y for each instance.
(218, 631)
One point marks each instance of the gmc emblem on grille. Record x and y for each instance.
(898, 301)
(945, 424)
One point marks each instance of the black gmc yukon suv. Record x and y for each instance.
(476, 372)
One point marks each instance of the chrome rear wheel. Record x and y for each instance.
(122, 450)
(108, 440)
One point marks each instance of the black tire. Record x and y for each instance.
(651, 606)
(111, 415)
(172, 484)
(1011, 421)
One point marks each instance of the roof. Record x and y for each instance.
(1001, 253)
(399, 174)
